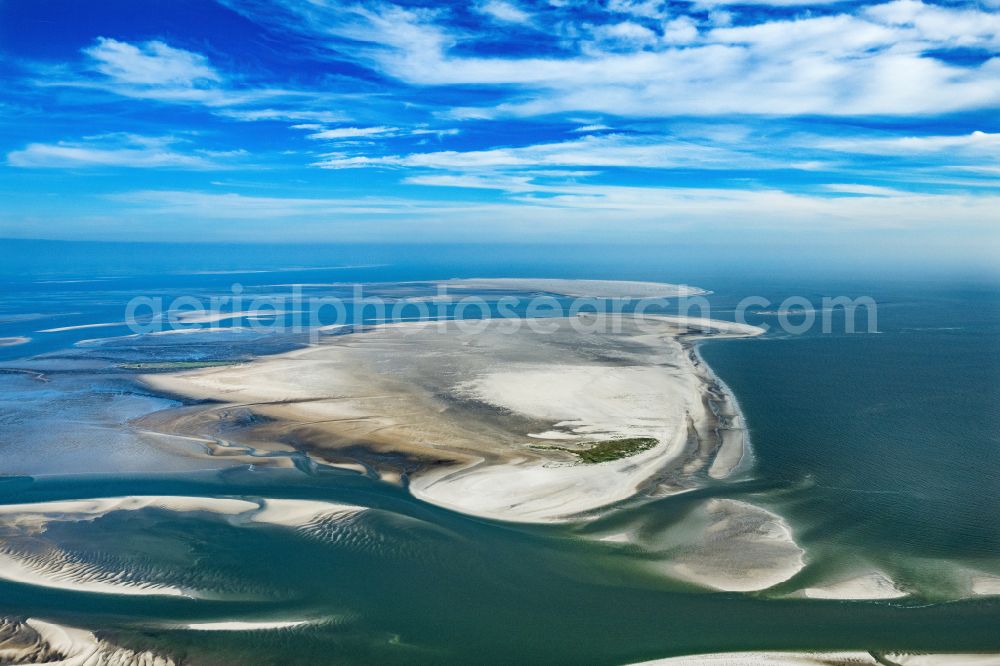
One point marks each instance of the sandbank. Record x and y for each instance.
(36, 641)
(462, 407)
(576, 288)
(873, 585)
(51, 567)
(740, 547)
(235, 625)
(768, 659)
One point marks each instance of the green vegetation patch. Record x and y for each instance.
(608, 449)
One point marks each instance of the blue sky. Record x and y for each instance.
(778, 121)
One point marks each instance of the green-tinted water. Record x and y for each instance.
(880, 450)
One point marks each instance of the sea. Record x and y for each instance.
(880, 448)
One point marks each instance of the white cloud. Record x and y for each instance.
(118, 150)
(681, 30)
(766, 3)
(358, 134)
(611, 150)
(594, 211)
(503, 182)
(840, 64)
(159, 72)
(504, 11)
(864, 190)
(626, 34)
(150, 63)
(284, 114)
(691, 146)
(760, 209)
(643, 8)
(940, 25)
(451, 131)
(232, 206)
(352, 132)
(824, 35)
(975, 143)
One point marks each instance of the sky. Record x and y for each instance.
(788, 122)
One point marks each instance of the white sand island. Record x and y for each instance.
(510, 424)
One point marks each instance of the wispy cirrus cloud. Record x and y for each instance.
(977, 143)
(607, 150)
(352, 132)
(122, 150)
(158, 72)
(728, 149)
(872, 61)
(289, 115)
(518, 115)
(237, 206)
(594, 207)
(368, 135)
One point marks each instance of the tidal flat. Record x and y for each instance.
(464, 412)
(289, 492)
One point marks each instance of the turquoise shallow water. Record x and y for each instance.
(416, 584)
(879, 449)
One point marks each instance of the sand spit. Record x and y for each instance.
(768, 659)
(88, 509)
(739, 547)
(80, 327)
(302, 513)
(235, 625)
(46, 565)
(213, 316)
(986, 585)
(284, 512)
(54, 572)
(967, 659)
(11, 342)
(35, 641)
(50, 567)
(723, 545)
(577, 288)
(873, 585)
(712, 327)
(455, 409)
(825, 659)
